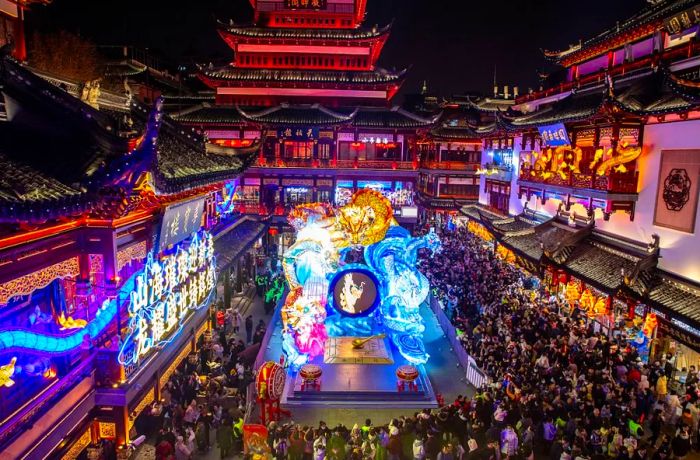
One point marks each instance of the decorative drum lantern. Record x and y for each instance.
(407, 375)
(310, 376)
(269, 386)
(269, 383)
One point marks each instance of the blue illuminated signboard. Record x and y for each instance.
(180, 222)
(164, 294)
(554, 135)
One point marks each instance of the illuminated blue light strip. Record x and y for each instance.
(55, 344)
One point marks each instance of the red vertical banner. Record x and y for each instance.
(255, 441)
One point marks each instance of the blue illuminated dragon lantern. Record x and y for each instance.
(352, 272)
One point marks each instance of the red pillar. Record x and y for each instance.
(20, 42)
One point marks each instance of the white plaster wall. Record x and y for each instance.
(680, 251)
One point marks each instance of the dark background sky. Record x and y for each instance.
(453, 44)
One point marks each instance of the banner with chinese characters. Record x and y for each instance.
(683, 20)
(298, 134)
(554, 135)
(180, 222)
(164, 293)
(305, 4)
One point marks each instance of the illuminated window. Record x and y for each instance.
(324, 151)
(301, 150)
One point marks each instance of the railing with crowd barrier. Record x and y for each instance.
(474, 375)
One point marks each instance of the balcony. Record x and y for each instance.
(669, 56)
(450, 166)
(311, 163)
(614, 183)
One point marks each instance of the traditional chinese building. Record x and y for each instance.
(101, 210)
(608, 146)
(453, 150)
(304, 81)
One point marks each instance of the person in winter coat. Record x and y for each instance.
(249, 328)
(320, 448)
(680, 445)
(446, 453)
(394, 447)
(432, 446)
(418, 449)
(181, 450)
(509, 441)
(661, 388)
(382, 443)
(224, 438)
(201, 435)
(336, 447)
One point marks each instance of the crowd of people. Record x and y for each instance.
(558, 387)
(203, 403)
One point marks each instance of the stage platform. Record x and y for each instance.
(365, 380)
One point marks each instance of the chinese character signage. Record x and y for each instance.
(164, 293)
(180, 222)
(554, 135)
(298, 134)
(683, 20)
(305, 4)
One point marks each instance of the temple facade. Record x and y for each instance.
(590, 177)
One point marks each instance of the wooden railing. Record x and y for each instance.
(335, 164)
(450, 165)
(614, 182)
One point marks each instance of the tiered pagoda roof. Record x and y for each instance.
(395, 117)
(229, 74)
(286, 115)
(229, 31)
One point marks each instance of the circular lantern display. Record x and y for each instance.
(354, 292)
(269, 383)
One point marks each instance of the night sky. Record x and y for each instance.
(453, 44)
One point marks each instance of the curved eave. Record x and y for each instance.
(261, 117)
(40, 211)
(445, 133)
(511, 124)
(172, 185)
(689, 90)
(641, 25)
(234, 34)
(280, 78)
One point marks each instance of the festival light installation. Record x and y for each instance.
(165, 292)
(6, 373)
(341, 257)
